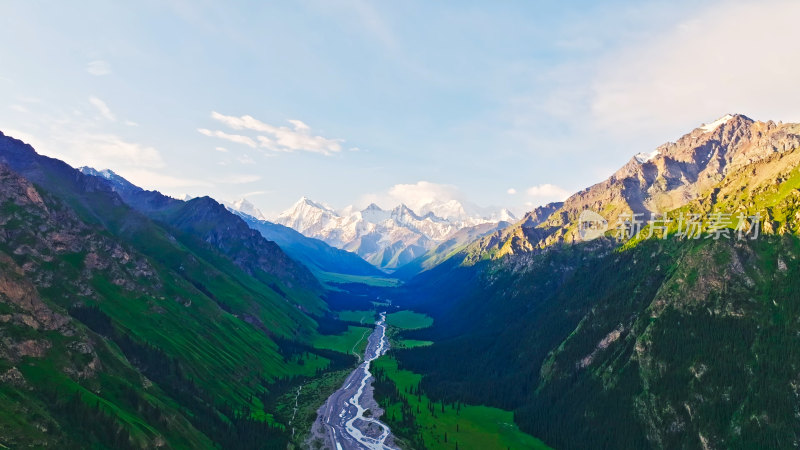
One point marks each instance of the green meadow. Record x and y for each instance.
(357, 316)
(408, 320)
(330, 278)
(352, 340)
(438, 426)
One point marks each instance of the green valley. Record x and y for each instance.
(130, 319)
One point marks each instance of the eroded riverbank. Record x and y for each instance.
(350, 418)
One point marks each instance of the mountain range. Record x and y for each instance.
(311, 253)
(315, 254)
(129, 319)
(132, 320)
(389, 239)
(657, 341)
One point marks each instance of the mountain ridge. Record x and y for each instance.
(118, 330)
(659, 342)
(388, 239)
(675, 174)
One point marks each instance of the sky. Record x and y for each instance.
(506, 104)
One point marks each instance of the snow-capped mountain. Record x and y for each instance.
(386, 238)
(244, 206)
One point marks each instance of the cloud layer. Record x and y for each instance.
(731, 58)
(298, 137)
(102, 108)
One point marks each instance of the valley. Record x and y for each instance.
(399, 403)
(399, 225)
(130, 319)
(349, 418)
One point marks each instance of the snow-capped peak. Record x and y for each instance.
(387, 237)
(505, 216)
(108, 174)
(306, 215)
(645, 157)
(306, 202)
(706, 127)
(449, 210)
(244, 206)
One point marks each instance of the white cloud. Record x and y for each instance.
(101, 150)
(511, 191)
(545, 193)
(416, 195)
(98, 68)
(102, 108)
(728, 58)
(299, 125)
(281, 138)
(237, 138)
(78, 139)
(221, 149)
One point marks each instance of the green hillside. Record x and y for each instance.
(119, 332)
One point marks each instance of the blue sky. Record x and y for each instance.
(347, 101)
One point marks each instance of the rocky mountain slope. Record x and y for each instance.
(447, 248)
(675, 174)
(387, 239)
(120, 331)
(680, 342)
(207, 220)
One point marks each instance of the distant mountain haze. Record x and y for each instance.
(388, 239)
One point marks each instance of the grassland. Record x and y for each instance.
(330, 278)
(414, 418)
(357, 316)
(354, 340)
(408, 320)
(444, 426)
(412, 343)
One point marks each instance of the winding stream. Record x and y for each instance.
(342, 416)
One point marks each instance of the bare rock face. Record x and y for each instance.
(13, 377)
(35, 348)
(42, 235)
(20, 292)
(672, 176)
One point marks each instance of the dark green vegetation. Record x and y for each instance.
(450, 247)
(183, 329)
(408, 320)
(676, 343)
(420, 422)
(666, 344)
(165, 322)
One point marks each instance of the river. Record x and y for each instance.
(340, 423)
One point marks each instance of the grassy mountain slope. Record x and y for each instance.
(455, 243)
(661, 343)
(167, 340)
(209, 221)
(678, 173)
